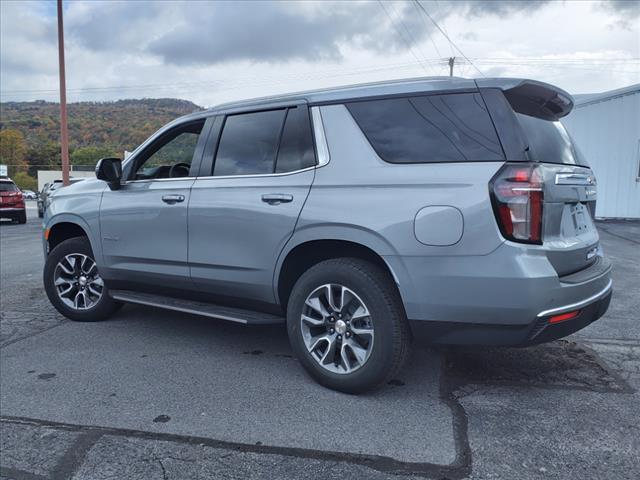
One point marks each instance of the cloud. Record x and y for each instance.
(627, 9)
(282, 31)
(211, 32)
(214, 32)
(27, 40)
(626, 13)
(211, 51)
(113, 25)
(499, 7)
(470, 36)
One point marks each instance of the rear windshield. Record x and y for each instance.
(429, 128)
(549, 141)
(8, 187)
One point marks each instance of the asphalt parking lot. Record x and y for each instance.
(154, 394)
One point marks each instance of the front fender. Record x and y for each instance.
(93, 233)
(79, 204)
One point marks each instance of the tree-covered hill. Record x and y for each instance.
(94, 127)
(122, 124)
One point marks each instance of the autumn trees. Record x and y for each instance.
(12, 151)
(30, 130)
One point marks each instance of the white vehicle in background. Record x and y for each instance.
(29, 194)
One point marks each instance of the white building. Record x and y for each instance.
(606, 128)
(47, 176)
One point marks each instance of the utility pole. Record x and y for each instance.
(452, 60)
(64, 139)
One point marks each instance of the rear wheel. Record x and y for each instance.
(347, 325)
(73, 283)
(22, 217)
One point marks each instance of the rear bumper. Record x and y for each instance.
(503, 298)
(538, 330)
(510, 286)
(12, 212)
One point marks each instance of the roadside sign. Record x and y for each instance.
(3, 171)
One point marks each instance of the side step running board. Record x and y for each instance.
(247, 317)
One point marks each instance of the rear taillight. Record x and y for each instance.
(517, 196)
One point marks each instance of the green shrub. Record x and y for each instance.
(25, 181)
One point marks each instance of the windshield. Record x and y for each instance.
(8, 187)
(549, 141)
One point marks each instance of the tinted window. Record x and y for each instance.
(425, 129)
(8, 187)
(249, 143)
(549, 141)
(296, 146)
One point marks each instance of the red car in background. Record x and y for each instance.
(12, 202)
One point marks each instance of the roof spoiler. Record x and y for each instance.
(533, 98)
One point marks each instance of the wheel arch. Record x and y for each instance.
(66, 226)
(302, 255)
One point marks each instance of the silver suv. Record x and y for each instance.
(448, 210)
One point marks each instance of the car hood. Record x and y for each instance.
(83, 186)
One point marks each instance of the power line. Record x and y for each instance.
(447, 37)
(222, 84)
(409, 34)
(424, 22)
(444, 25)
(402, 36)
(235, 81)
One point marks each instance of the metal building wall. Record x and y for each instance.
(607, 131)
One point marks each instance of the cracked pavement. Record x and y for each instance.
(157, 395)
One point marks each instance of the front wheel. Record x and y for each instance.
(347, 325)
(73, 283)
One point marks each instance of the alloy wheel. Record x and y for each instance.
(337, 329)
(77, 281)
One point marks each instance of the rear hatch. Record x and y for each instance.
(10, 195)
(569, 234)
(559, 179)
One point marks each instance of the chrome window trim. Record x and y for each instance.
(577, 305)
(322, 147)
(259, 175)
(322, 150)
(146, 180)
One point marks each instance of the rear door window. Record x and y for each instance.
(249, 143)
(549, 141)
(296, 146)
(429, 129)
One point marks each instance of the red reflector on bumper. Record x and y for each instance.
(564, 316)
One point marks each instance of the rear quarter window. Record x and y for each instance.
(429, 129)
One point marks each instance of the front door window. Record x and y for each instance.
(170, 156)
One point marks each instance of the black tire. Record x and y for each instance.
(103, 309)
(40, 213)
(392, 334)
(22, 218)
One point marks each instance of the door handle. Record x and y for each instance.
(171, 199)
(276, 198)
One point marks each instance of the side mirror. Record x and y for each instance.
(110, 170)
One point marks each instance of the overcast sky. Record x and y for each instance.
(209, 52)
